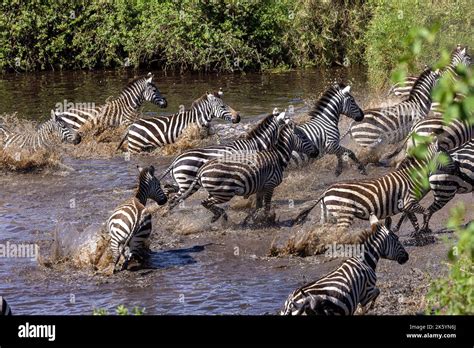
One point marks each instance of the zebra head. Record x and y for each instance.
(66, 134)
(349, 106)
(215, 106)
(389, 247)
(152, 94)
(149, 186)
(460, 56)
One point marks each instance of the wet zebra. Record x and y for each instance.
(390, 194)
(446, 185)
(129, 225)
(4, 307)
(248, 173)
(352, 283)
(392, 124)
(458, 56)
(322, 129)
(122, 110)
(185, 167)
(148, 133)
(45, 136)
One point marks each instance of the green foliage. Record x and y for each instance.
(393, 20)
(120, 310)
(455, 293)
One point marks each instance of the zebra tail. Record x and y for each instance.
(347, 131)
(166, 172)
(301, 218)
(122, 140)
(396, 151)
(187, 193)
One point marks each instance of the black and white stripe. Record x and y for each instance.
(354, 282)
(392, 124)
(49, 132)
(390, 194)
(129, 226)
(4, 307)
(323, 130)
(446, 185)
(185, 167)
(120, 111)
(150, 133)
(458, 56)
(248, 173)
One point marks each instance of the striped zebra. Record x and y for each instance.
(446, 185)
(390, 194)
(45, 136)
(450, 135)
(149, 133)
(458, 56)
(352, 283)
(129, 225)
(185, 167)
(322, 129)
(243, 174)
(392, 124)
(4, 307)
(122, 110)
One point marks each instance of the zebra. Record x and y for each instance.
(450, 135)
(446, 185)
(352, 283)
(121, 111)
(248, 173)
(392, 124)
(458, 56)
(149, 133)
(390, 194)
(4, 307)
(129, 225)
(322, 129)
(185, 167)
(44, 136)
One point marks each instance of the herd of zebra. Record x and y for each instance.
(255, 164)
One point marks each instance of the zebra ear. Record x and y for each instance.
(281, 116)
(346, 90)
(220, 93)
(463, 51)
(275, 112)
(149, 77)
(388, 222)
(152, 170)
(53, 115)
(139, 168)
(373, 220)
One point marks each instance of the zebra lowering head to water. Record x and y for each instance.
(458, 56)
(4, 307)
(352, 283)
(147, 134)
(390, 194)
(45, 136)
(129, 225)
(322, 129)
(243, 174)
(185, 167)
(392, 124)
(122, 110)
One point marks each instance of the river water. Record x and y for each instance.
(194, 275)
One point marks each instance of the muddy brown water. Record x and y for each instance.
(197, 268)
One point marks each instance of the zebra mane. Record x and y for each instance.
(131, 83)
(321, 102)
(204, 98)
(419, 80)
(262, 124)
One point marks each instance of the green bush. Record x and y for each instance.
(392, 21)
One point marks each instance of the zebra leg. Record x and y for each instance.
(438, 203)
(344, 153)
(370, 298)
(400, 222)
(210, 204)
